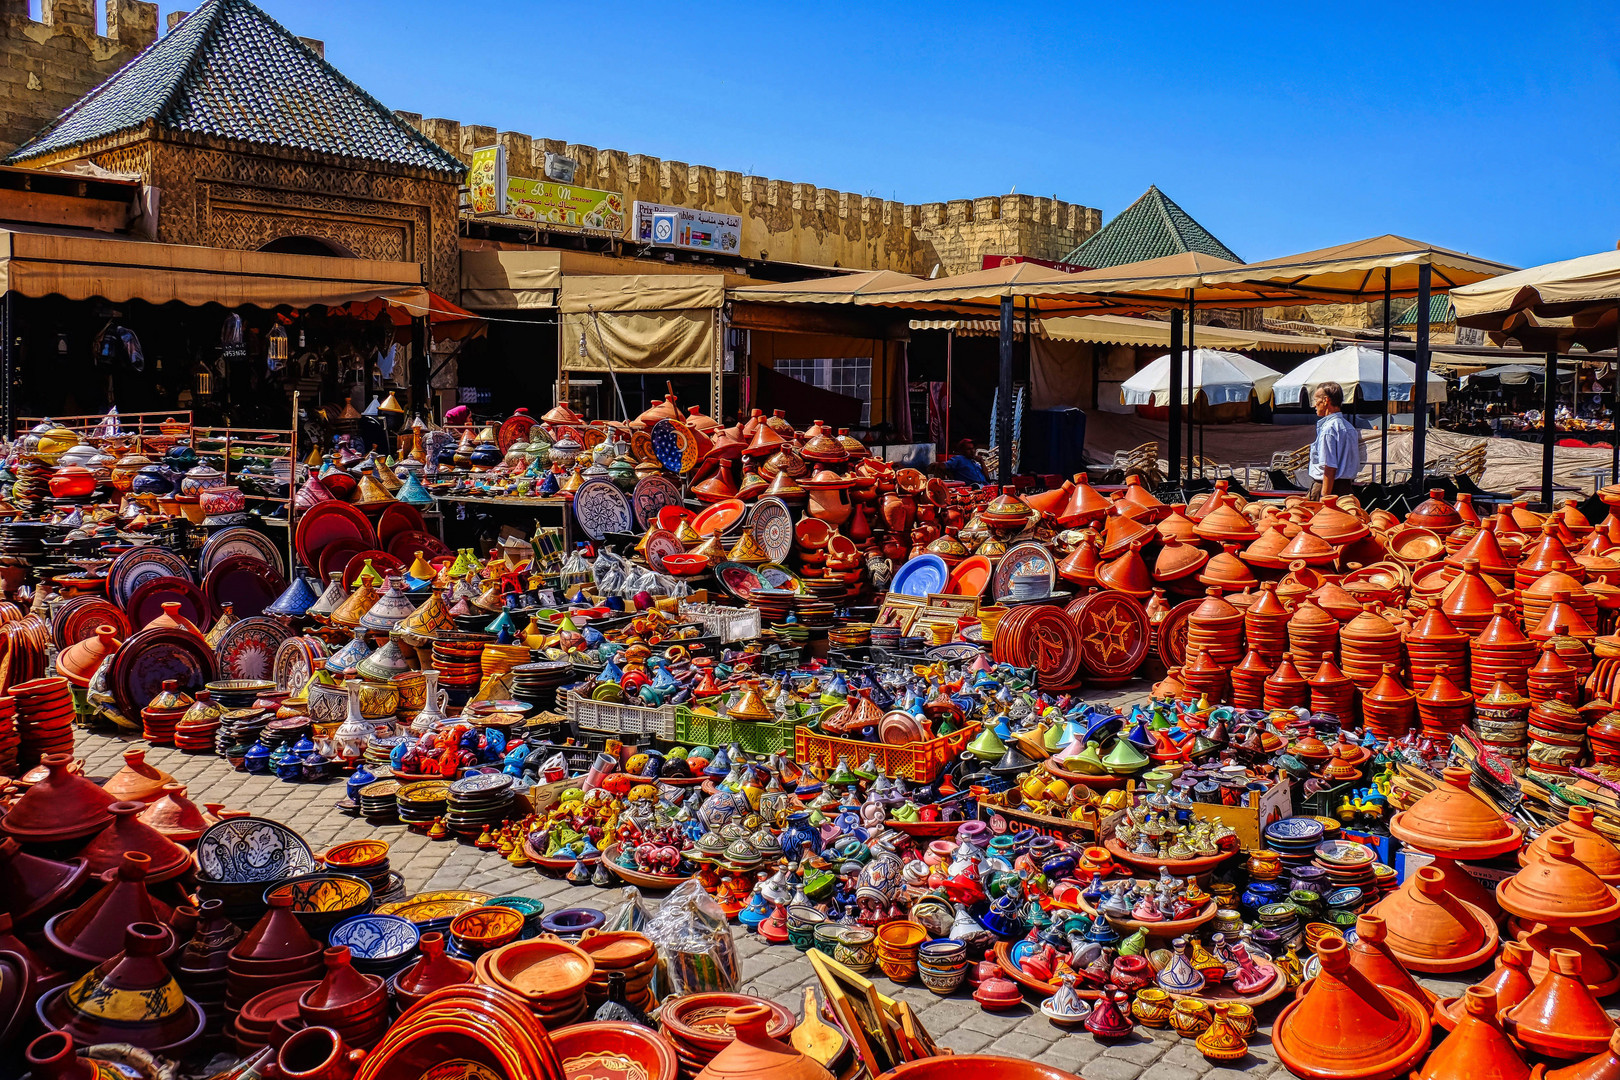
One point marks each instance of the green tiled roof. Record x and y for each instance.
(1440, 312)
(1150, 228)
(230, 71)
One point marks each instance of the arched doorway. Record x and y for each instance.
(308, 245)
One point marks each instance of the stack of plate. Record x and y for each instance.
(24, 538)
(240, 729)
(1348, 864)
(478, 802)
(422, 802)
(377, 800)
(197, 735)
(1294, 839)
(1279, 924)
(230, 694)
(537, 683)
(456, 655)
(44, 719)
(830, 589)
(815, 613)
(379, 752)
(773, 604)
(10, 741)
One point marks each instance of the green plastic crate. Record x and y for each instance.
(703, 729)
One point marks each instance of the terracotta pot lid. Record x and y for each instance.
(1309, 547)
(1267, 549)
(63, 806)
(1224, 523)
(1477, 1046)
(1452, 820)
(1121, 532)
(1433, 931)
(128, 833)
(1348, 1028)
(1560, 1017)
(1550, 584)
(1433, 627)
(1085, 503)
(1127, 574)
(1337, 527)
(1178, 525)
(1591, 848)
(1177, 559)
(1434, 512)
(1227, 570)
(1370, 954)
(1556, 889)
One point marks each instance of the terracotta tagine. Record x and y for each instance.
(1431, 930)
(1510, 981)
(1560, 1018)
(63, 806)
(176, 816)
(1556, 889)
(1452, 820)
(754, 1054)
(93, 932)
(1591, 850)
(1371, 955)
(128, 833)
(1604, 1065)
(78, 662)
(35, 888)
(1346, 1027)
(1477, 1047)
(432, 971)
(137, 781)
(131, 999)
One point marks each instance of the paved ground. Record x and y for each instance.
(779, 972)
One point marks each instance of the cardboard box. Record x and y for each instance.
(1249, 822)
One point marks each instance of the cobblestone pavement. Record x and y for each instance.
(777, 972)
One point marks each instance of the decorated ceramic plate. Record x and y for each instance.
(923, 575)
(772, 526)
(661, 542)
(1028, 557)
(240, 540)
(252, 849)
(419, 911)
(376, 937)
(674, 446)
(1296, 830)
(514, 430)
(146, 602)
(738, 579)
(138, 565)
(717, 518)
(601, 508)
(77, 619)
(296, 660)
(641, 446)
(248, 648)
(329, 522)
(776, 576)
(651, 495)
(246, 582)
(153, 656)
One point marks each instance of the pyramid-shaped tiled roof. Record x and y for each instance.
(1439, 312)
(231, 71)
(1150, 228)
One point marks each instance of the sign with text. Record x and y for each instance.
(682, 227)
(539, 201)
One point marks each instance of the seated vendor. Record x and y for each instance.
(964, 465)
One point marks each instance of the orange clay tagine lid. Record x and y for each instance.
(1127, 574)
(137, 781)
(1370, 954)
(1556, 889)
(1452, 820)
(1510, 981)
(755, 1055)
(1346, 1027)
(1560, 1018)
(1592, 849)
(1478, 1048)
(1433, 931)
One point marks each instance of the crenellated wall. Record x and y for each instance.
(788, 222)
(52, 62)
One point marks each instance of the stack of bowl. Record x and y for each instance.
(897, 944)
(474, 933)
(531, 909)
(352, 1003)
(253, 1025)
(942, 964)
(696, 1025)
(549, 974)
(632, 955)
(365, 859)
(321, 901)
(378, 944)
(802, 920)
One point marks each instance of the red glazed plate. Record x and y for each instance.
(717, 518)
(152, 656)
(381, 561)
(330, 522)
(399, 517)
(404, 546)
(246, 582)
(146, 602)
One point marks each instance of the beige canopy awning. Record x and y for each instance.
(1123, 330)
(635, 322)
(1558, 288)
(1354, 272)
(510, 280)
(81, 267)
(839, 289)
(983, 290)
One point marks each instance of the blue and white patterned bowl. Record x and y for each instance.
(377, 937)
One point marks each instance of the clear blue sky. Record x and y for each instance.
(1489, 127)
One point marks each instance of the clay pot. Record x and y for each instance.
(128, 833)
(278, 936)
(1286, 688)
(1337, 527)
(754, 1055)
(34, 888)
(1346, 1027)
(1372, 956)
(317, 1053)
(131, 998)
(1604, 1065)
(1477, 1046)
(78, 662)
(176, 816)
(1435, 513)
(93, 932)
(1121, 532)
(1178, 525)
(1452, 820)
(53, 1056)
(1085, 505)
(1227, 571)
(1177, 560)
(1556, 889)
(1430, 930)
(1560, 1018)
(1510, 982)
(1224, 524)
(1591, 850)
(1469, 602)
(63, 806)
(1127, 574)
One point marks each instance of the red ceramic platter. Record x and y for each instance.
(660, 544)
(514, 430)
(717, 518)
(381, 561)
(153, 656)
(248, 648)
(335, 558)
(404, 546)
(1113, 635)
(246, 582)
(605, 1050)
(670, 517)
(146, 602)
(330, 522)
(1173, 633)
(399, 517)
(969, 576)
(77, 619)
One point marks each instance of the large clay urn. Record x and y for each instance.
(1477, 1047)
(1346, 1027)
(898, 511)
(1431, 930)
(755, 1055)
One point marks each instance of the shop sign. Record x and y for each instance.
(682, 227)
(540, 201)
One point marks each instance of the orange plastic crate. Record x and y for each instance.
(920, 762)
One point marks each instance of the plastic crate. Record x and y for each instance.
(920, 761)
(728, 623)
(755, 737)
(632, 721)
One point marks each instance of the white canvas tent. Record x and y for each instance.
(1360, 370)
(1222, 377)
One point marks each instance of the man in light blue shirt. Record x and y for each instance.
(1336, 450)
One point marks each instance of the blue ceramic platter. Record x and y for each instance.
(923, 575)
(1295, 830)
(376, 937)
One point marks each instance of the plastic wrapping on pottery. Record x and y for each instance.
(628, 914)
(696, 952)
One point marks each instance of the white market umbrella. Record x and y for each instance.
(1360, 371)
(1222, 377)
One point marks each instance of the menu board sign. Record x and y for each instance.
(540, 201)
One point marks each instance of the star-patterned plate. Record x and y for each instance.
(651, 495)
(247, 649)
(1113, 635)
(772, 526)
(601, 508)
(674, 446)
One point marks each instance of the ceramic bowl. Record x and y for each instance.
(544, 971)
(942, 980)
(321, 901)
